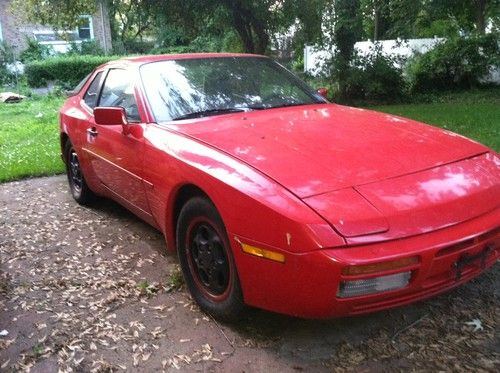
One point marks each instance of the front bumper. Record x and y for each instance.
(306, 284)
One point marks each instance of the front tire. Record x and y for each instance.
(207, 261)
(77, 184)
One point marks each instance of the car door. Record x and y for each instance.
(116, 152)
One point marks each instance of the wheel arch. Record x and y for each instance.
(181, 197)
(64, 138)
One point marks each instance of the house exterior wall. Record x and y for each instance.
(14, 31)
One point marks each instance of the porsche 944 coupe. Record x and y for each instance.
(275, 198)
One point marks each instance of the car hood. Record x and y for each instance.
(315, 149)
(415, 203)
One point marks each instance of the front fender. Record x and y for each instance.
(251, 205)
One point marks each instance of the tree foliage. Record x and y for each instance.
(251, 25)
(131, 19)
(253, 21)
(61, 14)
(469, 15)
(178, 26)
(391, 19)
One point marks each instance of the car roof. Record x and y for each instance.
(140, 60)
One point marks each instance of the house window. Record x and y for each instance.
(85, 31)
(46, 36)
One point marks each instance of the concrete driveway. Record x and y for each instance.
(93, 289)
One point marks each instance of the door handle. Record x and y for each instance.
(92, 131)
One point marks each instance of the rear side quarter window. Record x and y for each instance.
(90, 97)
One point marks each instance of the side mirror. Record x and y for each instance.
(323, 92)
(108, 116)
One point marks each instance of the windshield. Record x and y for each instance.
(189, 88)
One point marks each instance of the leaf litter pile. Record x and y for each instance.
(80, 289)
(92, 289)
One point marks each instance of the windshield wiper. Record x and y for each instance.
(204, 113)
(292, 104)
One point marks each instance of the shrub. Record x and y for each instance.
(6, 77)
(68, 71)
(297, 64)
(171, 36)
(6, 57)
(229, 42)
(137, 46)
(86, 47)
(374, 77)
(173, 50)
(382, 79)
(455, 63)
(207, 43)
(35, 51)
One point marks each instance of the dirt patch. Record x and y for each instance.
(93, 289)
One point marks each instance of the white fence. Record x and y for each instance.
(314, 57)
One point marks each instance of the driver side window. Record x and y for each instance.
(118, 91)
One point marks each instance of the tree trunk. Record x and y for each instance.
(245, 33)
(262, 36)
(250, 29)
(481, 16)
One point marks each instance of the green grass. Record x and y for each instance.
(29, 146)
(475, 114)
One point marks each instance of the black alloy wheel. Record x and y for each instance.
(207, 261)
(77, 184)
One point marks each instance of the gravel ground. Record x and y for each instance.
(93, 289)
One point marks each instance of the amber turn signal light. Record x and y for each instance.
(380, 267)
(263, 253)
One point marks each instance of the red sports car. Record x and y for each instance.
(274, 197)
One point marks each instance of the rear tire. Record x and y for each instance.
(207, 262)
(77, 184)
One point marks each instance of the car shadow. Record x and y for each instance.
(319, 339)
